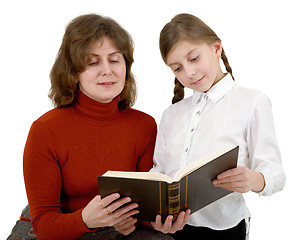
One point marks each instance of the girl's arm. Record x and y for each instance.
(264, 174)
(241, 179)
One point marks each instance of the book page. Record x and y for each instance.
(191, 167)
(139, 175)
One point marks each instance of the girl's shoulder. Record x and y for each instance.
(247, 94)
(180, 106)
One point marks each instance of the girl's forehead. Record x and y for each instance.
(183, 48)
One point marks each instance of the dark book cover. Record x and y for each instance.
(193, 191)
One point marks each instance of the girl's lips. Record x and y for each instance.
(199, 81)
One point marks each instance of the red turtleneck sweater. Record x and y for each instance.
(65, 151)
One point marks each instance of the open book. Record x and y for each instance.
(157, 193)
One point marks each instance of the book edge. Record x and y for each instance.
(193, 166)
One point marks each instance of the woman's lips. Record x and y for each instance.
(107, 84)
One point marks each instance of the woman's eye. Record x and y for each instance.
(177, 69)
(114, 60)
(92, 63)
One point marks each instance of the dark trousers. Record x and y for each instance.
(191, 232)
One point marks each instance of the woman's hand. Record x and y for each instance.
(240, 179)
(168, 226)
(126, 226)
(110, 211)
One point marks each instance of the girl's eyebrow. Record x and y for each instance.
(187, 55)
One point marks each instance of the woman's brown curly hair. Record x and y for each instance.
(73, 56)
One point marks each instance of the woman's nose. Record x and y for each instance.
(106, 68)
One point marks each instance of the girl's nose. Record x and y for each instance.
(190, 70)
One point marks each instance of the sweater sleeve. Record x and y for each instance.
(42, 175)
(145, 161)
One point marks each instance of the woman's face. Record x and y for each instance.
(196, 65)
(104, 75)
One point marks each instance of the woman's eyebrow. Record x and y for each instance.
(110, 54)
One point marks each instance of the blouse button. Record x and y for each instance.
(198, 113)
(192, 130)
(186, 150)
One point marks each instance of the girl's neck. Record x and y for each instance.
(220, 76)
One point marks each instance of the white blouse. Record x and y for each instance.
(226, 115)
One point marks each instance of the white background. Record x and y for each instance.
(256, 38)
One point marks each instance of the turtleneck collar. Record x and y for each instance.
(95, 110)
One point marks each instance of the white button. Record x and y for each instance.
(198, 113)
(186, 150)
(192, 130)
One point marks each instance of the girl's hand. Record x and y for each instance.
(168, 226)
(240, 179)
(108, 211)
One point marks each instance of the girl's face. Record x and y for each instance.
(104, 75)
(196, 65)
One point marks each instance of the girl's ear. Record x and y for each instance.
(217, 48)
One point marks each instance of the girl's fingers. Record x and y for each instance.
(168, 223)
(169, 226)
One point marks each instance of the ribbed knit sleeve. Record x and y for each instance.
(145, 161)
(43, 184)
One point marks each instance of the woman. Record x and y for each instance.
(91, 130)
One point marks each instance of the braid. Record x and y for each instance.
(226, 64)
(178, 92)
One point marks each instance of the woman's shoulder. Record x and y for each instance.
(140, 116)
(54, 116)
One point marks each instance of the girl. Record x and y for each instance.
(219, 114)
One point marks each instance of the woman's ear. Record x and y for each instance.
(76, 78)
(217, 48)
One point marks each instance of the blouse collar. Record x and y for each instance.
(217, 91)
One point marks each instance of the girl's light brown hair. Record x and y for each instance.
(73, 57)
(187, 27)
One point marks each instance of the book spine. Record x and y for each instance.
(174, 199)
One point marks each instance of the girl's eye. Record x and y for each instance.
(194, 59)
(177, 69)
